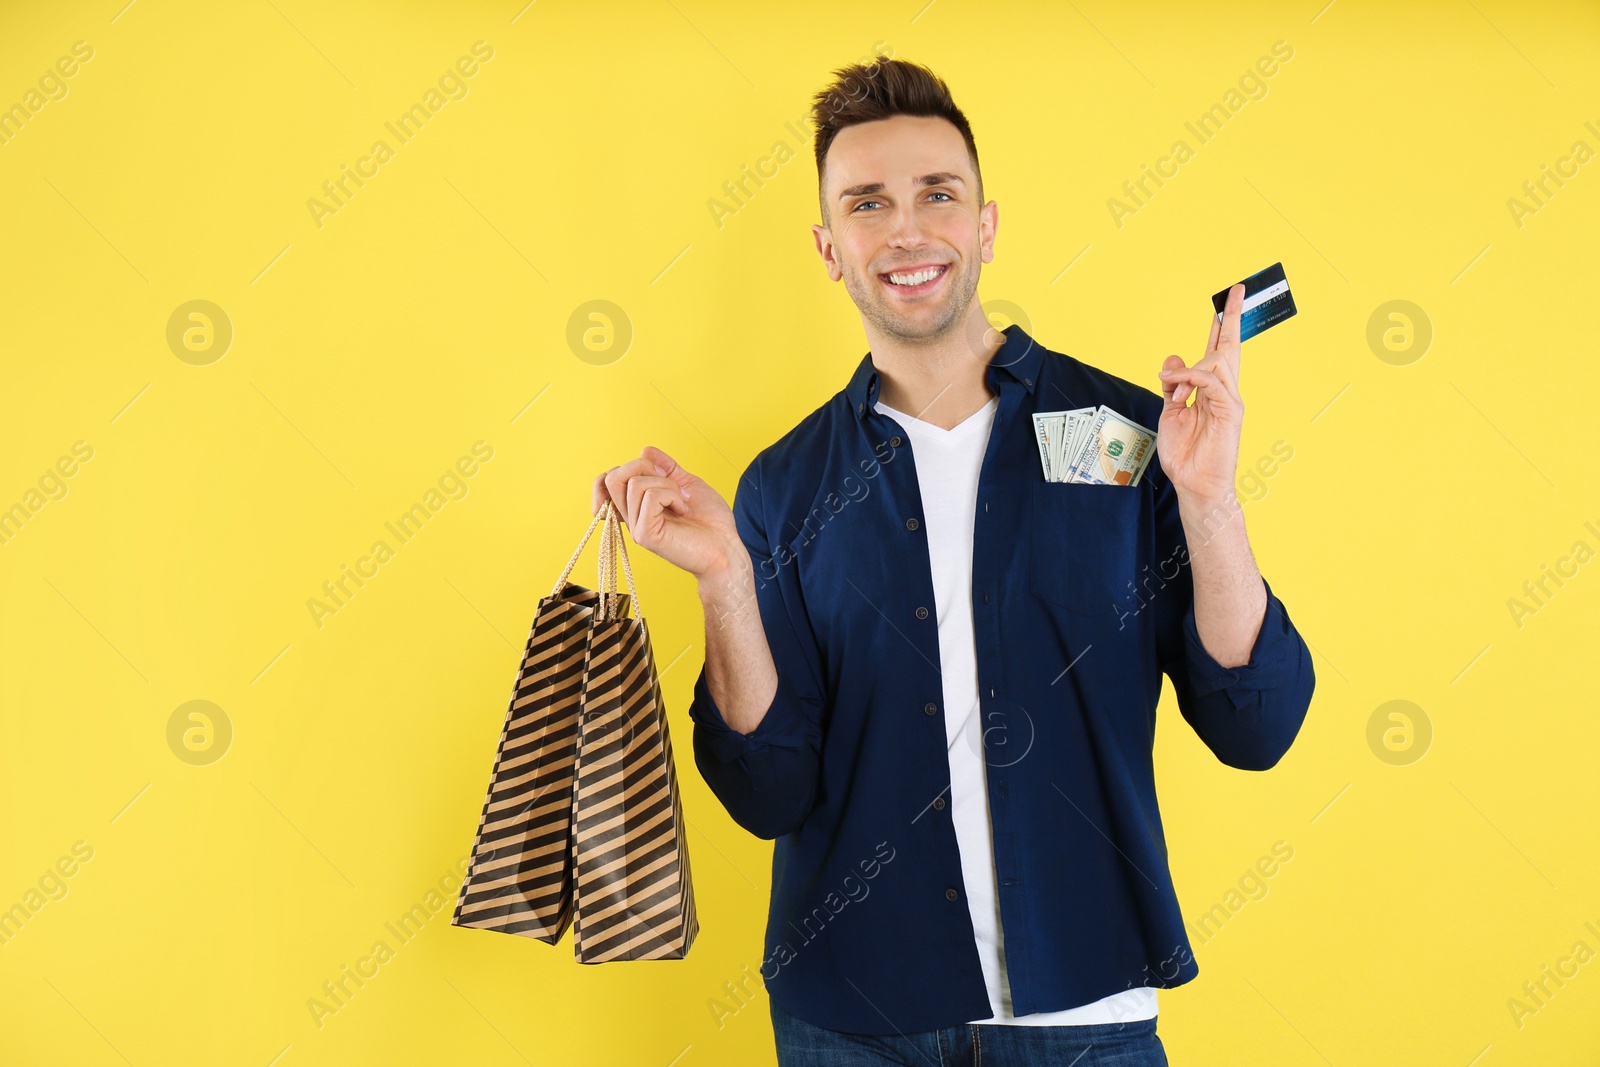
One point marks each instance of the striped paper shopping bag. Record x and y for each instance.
(583, 818)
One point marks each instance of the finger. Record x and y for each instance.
(616, 480)
(1228, 373)
(660, 498)
(666, 465)
(1213, 359)
(616, 485)
(638, 484)
(1211, 389)
(1174, 390)
(1168, 387)
(1228, 338)
(1216, 328)
(1229, 333)
(601, 494)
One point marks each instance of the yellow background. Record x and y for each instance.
(431, 312)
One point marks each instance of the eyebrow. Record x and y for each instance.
(944, 177)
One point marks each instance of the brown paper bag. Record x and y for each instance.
(583, 817)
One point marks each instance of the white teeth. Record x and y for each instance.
(915, 279)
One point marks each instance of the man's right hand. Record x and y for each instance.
(672, 513)
(683, 520)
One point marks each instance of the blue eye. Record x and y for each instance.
(864, 203)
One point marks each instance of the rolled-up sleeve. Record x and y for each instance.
(766, 779)
(1247, 715)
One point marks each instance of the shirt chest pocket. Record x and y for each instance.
(1085, 545)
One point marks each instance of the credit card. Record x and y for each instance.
(1267, 301)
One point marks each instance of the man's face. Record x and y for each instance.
(903, 201)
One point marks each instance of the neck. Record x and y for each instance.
(942, 379)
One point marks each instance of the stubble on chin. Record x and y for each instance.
(867, 293)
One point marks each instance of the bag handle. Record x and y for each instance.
(618, 544)
(609, 544)
(606, 583)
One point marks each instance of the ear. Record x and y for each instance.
(988, 223)
(825, 249)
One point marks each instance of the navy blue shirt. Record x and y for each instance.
(1081, 600)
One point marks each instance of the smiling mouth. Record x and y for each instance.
(916, 281)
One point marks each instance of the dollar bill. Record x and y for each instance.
(1114, 450)
(1060, 435)
(1077, 425)
(1044, 428)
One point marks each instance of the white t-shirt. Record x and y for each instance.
(948, 463)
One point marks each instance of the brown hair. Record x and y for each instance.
(867, 92)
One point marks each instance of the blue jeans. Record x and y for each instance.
(1125, 1044)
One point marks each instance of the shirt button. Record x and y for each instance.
(1029, 381)
(895, 441)
(938, 803)
(922, 613)
(931, 708)
(986, 596)
(911, 524)
(950, 894)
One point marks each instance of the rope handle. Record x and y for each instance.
(606, 585)
(567, 570)
(618, 544)
(610, 542)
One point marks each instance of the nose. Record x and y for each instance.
(905, 229)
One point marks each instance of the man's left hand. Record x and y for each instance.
(1198, 444)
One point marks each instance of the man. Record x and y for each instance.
(931, 675)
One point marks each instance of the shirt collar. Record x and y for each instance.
(1020, 358)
